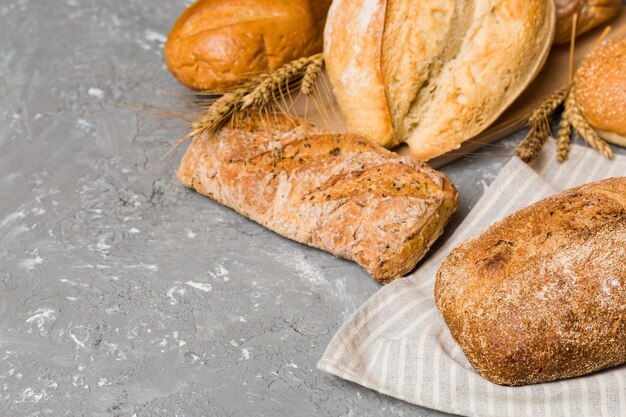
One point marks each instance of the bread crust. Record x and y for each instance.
(352, 53)
(341, 193)
(600, 84)
(216, 44)
(590, 13)
(445, 70)
(540, 295)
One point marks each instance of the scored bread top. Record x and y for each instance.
(539, 296)
(442, 70)
(353, 33)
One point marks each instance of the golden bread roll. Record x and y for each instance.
(432, 73)
(600, 85)
(591, 13)
(540, 295)
(216, 44)
(338, 192)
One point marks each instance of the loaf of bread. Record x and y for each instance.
(590, 13)
(216, 44)
(541, 295)
(432, 73)
(338, 192)
(600, 85)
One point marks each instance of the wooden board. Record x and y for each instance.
(323, 110)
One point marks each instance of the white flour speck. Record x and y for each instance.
(200, 286)
(31, 396)
(96, 92)
(83, 124)
(149, 267)
(245, 354)
(30, 263)
(222, 272)
(40, 317)
(78, 342)
(307, 270)
(190, 234)
(152, 36)
(134, 230)
(143, 45)
(175, 291)
(12, 217)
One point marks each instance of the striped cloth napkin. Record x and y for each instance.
(398, 344)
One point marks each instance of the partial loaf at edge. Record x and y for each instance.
(432, 73)
(600, 85)
(590, 13)
(341, 193)
(541, 295)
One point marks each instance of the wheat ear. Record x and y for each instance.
(311, 74)
(540, 125)
(584, 129)
(563, 141)
(258, 92)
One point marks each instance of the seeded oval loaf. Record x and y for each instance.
(541, 295)
(338, 192)
(432, 73)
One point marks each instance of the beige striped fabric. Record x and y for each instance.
(398, 344)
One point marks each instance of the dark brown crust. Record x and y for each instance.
(541, 295)
(338, 192)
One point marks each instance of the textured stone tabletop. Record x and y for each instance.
(121, 292)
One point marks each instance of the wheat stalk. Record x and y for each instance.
(539, 121)
(258, 92)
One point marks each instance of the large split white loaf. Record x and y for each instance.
(432, 73)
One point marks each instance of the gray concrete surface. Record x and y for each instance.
(121, 292)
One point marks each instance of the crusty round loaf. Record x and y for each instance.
(600, 84)
(431, 73)
(591, 13)
(541, 295)
(216, 44)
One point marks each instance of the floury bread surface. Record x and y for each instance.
(541, 295)
(432, 73)
(338, 192)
